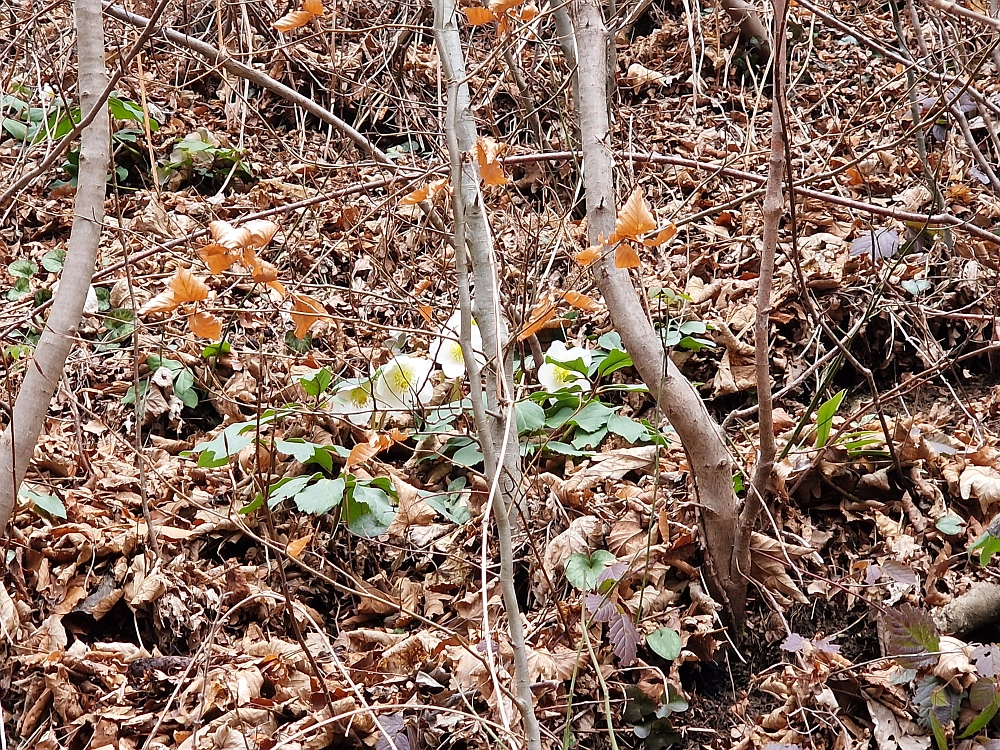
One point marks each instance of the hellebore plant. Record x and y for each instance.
(354, 401)
(403, 383)
(446, 351)
(564, 368)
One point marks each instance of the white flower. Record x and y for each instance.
(353, 400)
(447, 352)
(404, 382)
(554, 377)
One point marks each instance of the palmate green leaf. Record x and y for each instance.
(665, 643)
(582, 571)
(530, 417)
(321, 497)
(627, 428)
(824, 418)
(369, 509)
(988, 543)
(592, 417)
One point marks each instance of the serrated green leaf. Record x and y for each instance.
(321, 497)
(592, 417)
(530, 417)
(582, 571)
(369, 510)
(627, 428)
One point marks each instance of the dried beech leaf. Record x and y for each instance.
(295, 547)
(588, 256)
(313, 6)
(163, 302)
(581, 301)
(478, 16)
(217, 257)
(293, 20)
(544, 312)
(626, 256)
(662, 236)
(187, 287)
(205, 325)
(487, 154)
(305, 312)
(634, 218)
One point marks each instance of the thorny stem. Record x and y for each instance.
(504, 470)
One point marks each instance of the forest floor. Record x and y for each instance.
(312, 580)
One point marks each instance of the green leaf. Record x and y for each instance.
(611, 341)
(950, 525)
(911, 635)
(305, 452)
(49, 504)
(627, 427)
(592, 417)
(665, 643)
(616, 360)
(582, 571)
(17, 129)
(449, 504)
(589, 439)
(988, 545)
(564, 449)
(53, 260)
(530, 416)
(215, 350)
(369, 511)
(288, 487)
(560, 416)
(229, 442)
(824, 418)
(23, 269)
(321, 497)
(468, 455)
(317, 383)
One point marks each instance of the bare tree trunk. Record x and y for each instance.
(18, 441)
(710, 462)
(495, 422)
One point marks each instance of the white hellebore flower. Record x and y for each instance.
(353, 400)
(447, 352)
(554, 377)
(404, 382)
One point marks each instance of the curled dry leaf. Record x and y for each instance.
(626, 256)
(305, 312)
(581, 301)
(292, 21)
(582, 536)
(982, 483)
(588, 256)
(544, 312)
(313, 6)
(502, 6)
(295, 547)
(217, 257)
(478, 16)
(364, 452)
(488, 154)
(428, 191)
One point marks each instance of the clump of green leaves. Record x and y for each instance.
(205, 155)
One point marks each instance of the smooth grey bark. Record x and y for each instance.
(711, 464)
(45, 369)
